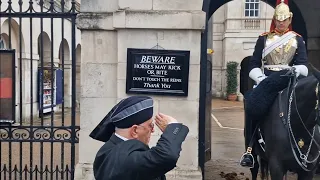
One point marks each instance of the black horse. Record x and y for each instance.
(286, 110)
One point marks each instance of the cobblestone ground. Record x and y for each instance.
(228, 143)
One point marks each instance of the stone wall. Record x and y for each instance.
(108, 30)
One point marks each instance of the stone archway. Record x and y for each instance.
(44, 48)
(16, 40)
(299, 22)
(5, 41)
(64, 52)
(234, 35)
(211, 6)
(304, 17)
(65, 64)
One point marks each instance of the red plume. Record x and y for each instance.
(273, 26)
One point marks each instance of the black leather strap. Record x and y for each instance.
(253, 135)
(281, 111)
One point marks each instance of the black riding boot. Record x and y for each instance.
(247, 159)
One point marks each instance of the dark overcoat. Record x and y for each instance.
(133, 160)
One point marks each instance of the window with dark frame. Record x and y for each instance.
(252, 8)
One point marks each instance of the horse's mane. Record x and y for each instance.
(305, 98)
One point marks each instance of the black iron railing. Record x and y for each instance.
(38, 130)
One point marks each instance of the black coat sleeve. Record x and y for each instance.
(163, 157)
(300, 58)
(255, 61)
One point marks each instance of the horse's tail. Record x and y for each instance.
(264, 166)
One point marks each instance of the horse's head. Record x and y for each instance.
(307, 97)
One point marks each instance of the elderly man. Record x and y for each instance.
(274, 51)
(126, 130)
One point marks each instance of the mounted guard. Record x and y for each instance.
(276, 50)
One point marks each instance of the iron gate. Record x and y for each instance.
(38, 119)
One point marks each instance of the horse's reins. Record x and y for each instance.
(303, 157)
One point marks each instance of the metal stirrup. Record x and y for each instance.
(249, 150)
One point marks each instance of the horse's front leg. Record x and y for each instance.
(255, 169)
(276, 169)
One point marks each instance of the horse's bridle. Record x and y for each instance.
(318, 104)
(302, 159)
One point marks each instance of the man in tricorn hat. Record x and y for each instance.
(276, 50)
(126, 129)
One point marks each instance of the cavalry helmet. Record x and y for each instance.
(282, 12)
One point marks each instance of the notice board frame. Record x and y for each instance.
(12, 52)
(130, 89)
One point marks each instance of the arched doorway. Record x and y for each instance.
(44, 48)
(211, 6)
(11, 28)
(65, 65)
(298, 22)
(235, 33)
(4, 38)
(304, 15)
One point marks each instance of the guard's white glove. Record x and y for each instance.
(301, 70)
(257, 75)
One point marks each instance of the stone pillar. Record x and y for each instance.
(26, 90)
(67, 84)
(107, 32)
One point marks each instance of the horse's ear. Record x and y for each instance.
(315, 71)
